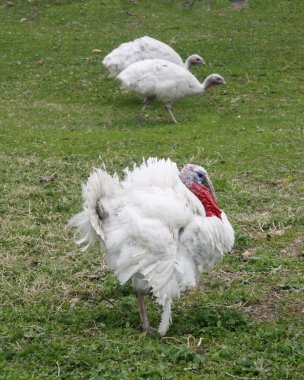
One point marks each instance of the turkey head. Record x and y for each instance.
(197, 180)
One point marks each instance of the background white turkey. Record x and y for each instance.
(164, 81)
(158, 227)
(145, 48)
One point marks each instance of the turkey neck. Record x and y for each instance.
(207, 84)
(188, 63)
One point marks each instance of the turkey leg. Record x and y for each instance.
(146, 102)
(145, 325)
(168, 108)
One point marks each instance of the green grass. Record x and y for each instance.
(63, 314)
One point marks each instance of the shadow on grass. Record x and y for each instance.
(116, 308)
(198, 319)
(195, 320)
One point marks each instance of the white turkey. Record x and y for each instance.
(163, 81)
(145, 48)
(158, 228)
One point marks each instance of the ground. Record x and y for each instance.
(63, 313)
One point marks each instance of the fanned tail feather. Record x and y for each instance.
(85, 232)
(97, 194)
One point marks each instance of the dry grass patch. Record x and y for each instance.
(262, 310)
(294, 248)
(227, 276)
(275, 306)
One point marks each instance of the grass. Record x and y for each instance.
(63, 313)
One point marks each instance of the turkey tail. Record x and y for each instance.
(96, 193)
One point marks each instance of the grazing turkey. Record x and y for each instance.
(164, 81)
(158, 228)
(145, 48)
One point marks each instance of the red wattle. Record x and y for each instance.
(207, 200)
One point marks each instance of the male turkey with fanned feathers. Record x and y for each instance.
(159, 227)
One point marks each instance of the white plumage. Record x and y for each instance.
(145, 48)
(158, 227)
(164, 81)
